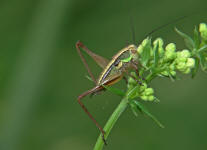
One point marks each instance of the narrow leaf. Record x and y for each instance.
(134, 109)
(202, 61)
(145, 55)
(172, 78)
(156, 55)
(195, 69)
(202, 49)
(133, 92)
(115, 90)
(196, 38)
(188, 40)
(148, 114)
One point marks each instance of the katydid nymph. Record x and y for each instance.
(113, 71)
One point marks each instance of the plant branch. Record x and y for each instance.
(110, 123)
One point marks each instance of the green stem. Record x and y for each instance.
(150, 77)
(110, 123)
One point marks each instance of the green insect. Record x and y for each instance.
(113, 71)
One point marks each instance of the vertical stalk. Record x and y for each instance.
(111, 122)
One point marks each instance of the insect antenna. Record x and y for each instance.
(132, 30)
(164, 25)
(171, 22)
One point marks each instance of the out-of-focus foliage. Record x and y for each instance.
(41, 75)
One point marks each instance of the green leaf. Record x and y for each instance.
(188, 40)
(156, 55)
(133, 92)
(195, 69)
(172, 78)
(196, 38)
(115, 90)
(145, 55)
(202, 49)
(134, 108)
(202, 61)
(148, 113)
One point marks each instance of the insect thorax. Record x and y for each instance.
(118, 65)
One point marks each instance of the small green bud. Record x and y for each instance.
(143, 86)
(140, 49)
(145, 41)
(190, 62)
(172, 66)
(144, 97)
(183, 54)
(130, 86)
(131, 81)
(151, 98)
(160, 50)
(181, 66)
(158, 40)
(203, 30)
(181, 59)
(185, 66)
(170, 47)
(165, 73)
(170, 53)
(187, 71)
(149, 91)
(173, 73)
(161, 43)
(146, 94)
(147, 98)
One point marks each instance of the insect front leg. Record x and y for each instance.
(125, 79)
(134, 66)
(133, 77)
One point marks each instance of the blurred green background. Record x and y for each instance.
(41, 75)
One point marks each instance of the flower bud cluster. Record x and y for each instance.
(145, 93)
(170, 60)
(159, 42)
(203, 31)
(184, 62)
(141, 46)
(155, 59)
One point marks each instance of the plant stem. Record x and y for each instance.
(150, 77)
(110, 123)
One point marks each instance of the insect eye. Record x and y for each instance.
(134, 51)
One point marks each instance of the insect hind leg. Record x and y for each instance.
(97, 88)
(97, 92)
(78, 45)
